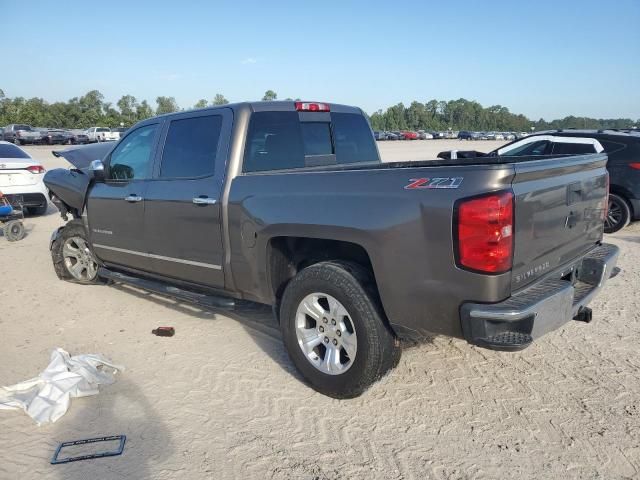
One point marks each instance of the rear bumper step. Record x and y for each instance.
(202, 299)
(514, 323)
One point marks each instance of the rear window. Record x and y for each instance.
(11, 151)
(102, 130)
(191, 147)
(279, 140)
(561, 148)
(353, 140)
(22, 127)
(316, 138)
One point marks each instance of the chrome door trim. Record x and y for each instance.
(159, 257)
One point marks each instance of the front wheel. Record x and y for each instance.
(618, 214)
(334, 329)
(72, 257)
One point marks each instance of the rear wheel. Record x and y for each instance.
(334, 329)
(618, 214)
(13, 230)
(72, 257)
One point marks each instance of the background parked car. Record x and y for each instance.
(623, 150)
(120, 131)
(55, 136)
(21, 179)
(21, 134)
(467, 135)
(422, 135)
(409, 135)
(78, 137)
(379, 135)
(101, 134)
(391, 136)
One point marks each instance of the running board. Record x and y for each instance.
(202, 299)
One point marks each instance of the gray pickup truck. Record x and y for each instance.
(288, 204)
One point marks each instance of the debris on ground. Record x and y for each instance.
(164, 331)
(47, 397)
(57, 459)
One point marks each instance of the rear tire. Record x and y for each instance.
(618, 214)
(340, 293)
(13, 230)
(72, 257)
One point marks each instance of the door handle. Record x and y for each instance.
(204, 201)
(133, 198)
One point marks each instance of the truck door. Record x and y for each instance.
(115, 207)
(183, 214)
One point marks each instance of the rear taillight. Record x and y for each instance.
(484, 233)
(36, 169)
(312, 107)
(635, 165)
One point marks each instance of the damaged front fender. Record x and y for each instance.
(69, 187)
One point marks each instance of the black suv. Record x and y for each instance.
(623, 150)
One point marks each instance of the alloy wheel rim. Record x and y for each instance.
(78, 259)
(326, 334)
(614, 214)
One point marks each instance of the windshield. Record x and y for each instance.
(11, 151)
(22, 127)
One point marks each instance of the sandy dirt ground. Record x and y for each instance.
(221, 399)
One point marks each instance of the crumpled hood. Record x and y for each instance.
(81, 156)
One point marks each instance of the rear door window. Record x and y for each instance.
(562, 148)
(273, 142)
(191, 147)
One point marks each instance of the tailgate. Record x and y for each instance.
(559, 208)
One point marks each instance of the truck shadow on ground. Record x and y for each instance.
(257, 319)
(119, 409)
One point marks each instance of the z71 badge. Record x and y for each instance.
(439, 182)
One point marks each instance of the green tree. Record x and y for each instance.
(128, 105)
(219, 99)
(202, 103)
(269, 96)
(166, 105)
(143, 111)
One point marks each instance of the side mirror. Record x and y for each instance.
(97, 167)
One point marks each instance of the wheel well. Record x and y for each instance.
(288, 255)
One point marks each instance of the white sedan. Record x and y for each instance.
(21, 179)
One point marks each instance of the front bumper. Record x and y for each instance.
(540, 308)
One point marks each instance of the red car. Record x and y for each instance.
(409, 135)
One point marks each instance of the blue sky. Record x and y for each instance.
(541, 58)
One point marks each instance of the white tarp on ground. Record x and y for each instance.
(47, 397)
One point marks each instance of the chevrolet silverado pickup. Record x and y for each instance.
(288, 204)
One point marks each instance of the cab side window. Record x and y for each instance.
(131, 160)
